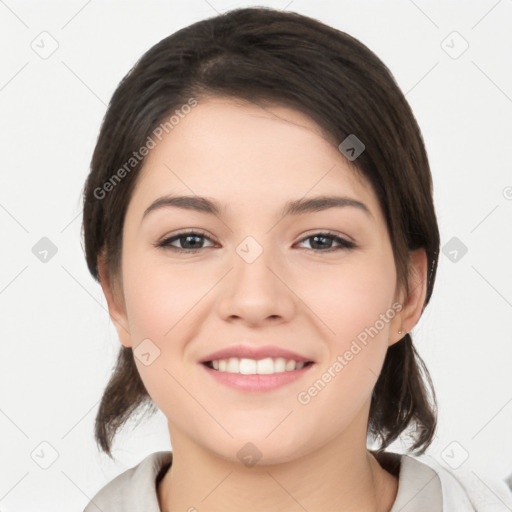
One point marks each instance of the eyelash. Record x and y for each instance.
(165, 244)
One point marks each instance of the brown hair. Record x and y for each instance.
(268, 56)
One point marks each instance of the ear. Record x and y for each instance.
(115, 301)
(412, 306)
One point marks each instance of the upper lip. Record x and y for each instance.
(251, 352)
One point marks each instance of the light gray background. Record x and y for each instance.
(58, 344)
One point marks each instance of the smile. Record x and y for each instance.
(265, 366)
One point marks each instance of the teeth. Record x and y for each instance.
(260, 367)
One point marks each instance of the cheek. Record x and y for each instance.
(354, 308)
(163, 304)
(159, 298)
(350, 298)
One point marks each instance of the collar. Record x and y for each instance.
(421, 486)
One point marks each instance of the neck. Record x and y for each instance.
(202, 480)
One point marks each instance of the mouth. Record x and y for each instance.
(267, 366)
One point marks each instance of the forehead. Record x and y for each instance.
(238, 152)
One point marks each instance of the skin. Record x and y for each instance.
(296, 296)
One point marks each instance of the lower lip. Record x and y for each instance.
(258, 383)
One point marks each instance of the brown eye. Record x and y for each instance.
(320, 240)
(190, 241)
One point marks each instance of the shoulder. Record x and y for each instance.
(425, 484)
(135, 488)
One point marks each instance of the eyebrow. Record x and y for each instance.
(294, 207)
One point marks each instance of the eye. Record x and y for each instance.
(190, 239)
(320, 238)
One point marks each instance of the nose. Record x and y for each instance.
(257, 291)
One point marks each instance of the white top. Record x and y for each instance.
(421, 487)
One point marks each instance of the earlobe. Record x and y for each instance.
(115, 302)
(412, 306)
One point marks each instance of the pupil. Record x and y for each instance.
(316, 237)
(193, 237)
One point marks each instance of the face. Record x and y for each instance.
(320, 283)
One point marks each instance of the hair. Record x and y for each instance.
(272, 57)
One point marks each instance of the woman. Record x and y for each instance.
(259, 214)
